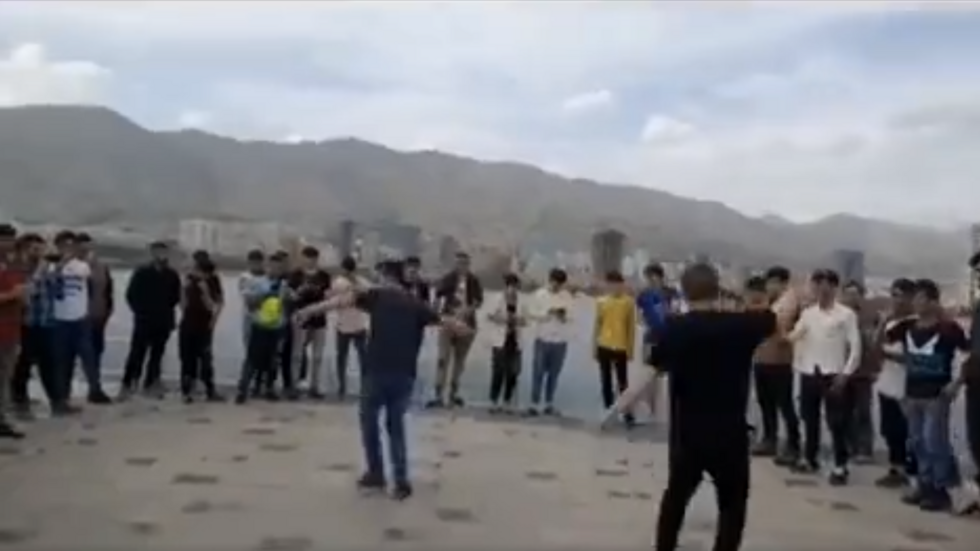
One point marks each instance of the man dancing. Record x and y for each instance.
(398, 320)
(708, 354)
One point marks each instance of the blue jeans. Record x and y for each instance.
(928, 420)
(393, 395)
(549, 358)
(72, 342)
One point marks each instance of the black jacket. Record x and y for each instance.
(153, 295)
(446, 293)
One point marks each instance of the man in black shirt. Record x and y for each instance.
(309, 285)
(708, 354)
(414, 282)
(201, 300)
(459, 294)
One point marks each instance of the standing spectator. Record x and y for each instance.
(265, 301)
(73, 327)
(971, 378)
(614, 339)
(509, 317)
(36, 335)
(653, 303)
(310, 284)
(459, 294)
(551, 311)
(101, 295)
(201, 300)
(249, 283)
(15, 290)
(153, 295)
(414, 282)
(352, 323)
(862, 437)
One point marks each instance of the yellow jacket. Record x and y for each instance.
(615, 323)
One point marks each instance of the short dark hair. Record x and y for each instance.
(255, 255)
(700, 281)
(30, 238)
(557, 275)
(83, 237)
(413, 261)
(392, 269)
(825, 276)
(756, 284)
(614, 276)
(927, 288)
(206, 265)
(511, 280)
(974, 261)
(654, 269)
(778, 273)
(200, 255)
(8, 231)
(64, 236)
(904, 286)
(349, 264)
(310, 252)
(279, 256)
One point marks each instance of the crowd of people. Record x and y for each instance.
(815, 357)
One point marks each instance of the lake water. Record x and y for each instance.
(578, 390)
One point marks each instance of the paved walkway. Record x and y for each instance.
(279, 477)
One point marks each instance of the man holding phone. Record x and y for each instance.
(14, 294)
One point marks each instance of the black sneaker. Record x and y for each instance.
(8, 432)
(99, 397)
(969, 510)
(764, 448)
(64, 410)
(786, 459)
(914, 498)
(457, 402)
(629, 420)
(402, 491)
(371, 483)
(435, 403)
(188, 398)
(532, 411)
(894, 478)
(838, 477)
(936, 502)
(806, 467)
(550, 410)
(240, 399)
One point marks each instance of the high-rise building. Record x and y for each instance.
(347, 235)
(607, 251)
(849, 264)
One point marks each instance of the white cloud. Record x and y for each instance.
(29, 76)
(588, 101)
(666, 130)
(197, 120)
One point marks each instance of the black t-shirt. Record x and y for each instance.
(196, 313)
(310, 288)
(398, 321)
(709, 358)
(929, 352)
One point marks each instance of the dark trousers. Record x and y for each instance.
(344, 342)
(147, 345)
(36, 350)
(973, 423)
(727, 463)
(196, 360)
(505, 369)
(862, 431)
(894, 428)
(613, 364)
(73, 344)
(98, 340)
(774, 393)
(818, 399)
(284, 360)
(391, 394)
(259, 368)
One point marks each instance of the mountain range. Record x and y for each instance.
(91, 165)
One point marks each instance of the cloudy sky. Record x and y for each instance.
(799, 109)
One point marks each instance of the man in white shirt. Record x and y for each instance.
(72, 327)
(828, 351)
(552, 313)
(352, 323)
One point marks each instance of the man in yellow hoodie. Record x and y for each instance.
(615, 334)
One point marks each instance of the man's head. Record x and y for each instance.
(700, 283)
(512, 284)
(201, 261)
(654, 275)
(392, 272)
(852, 294)
(413, 268)
(83, 244)
(349, 265)
(255, 261)
(462, 263)
(310, 258)
(902, 291)
(825, 284)
(756, 296)
(8, 238)
(557, 278)
(64, 243)
(974, 263)
(159, 253)
(32, 246)
(926, 301)
(777, 281)
(278, 264)
(615, 283)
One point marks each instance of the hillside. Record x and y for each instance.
(92, 165)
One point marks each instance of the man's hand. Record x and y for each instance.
(839, 383)
(951, 390)
(456, 325)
